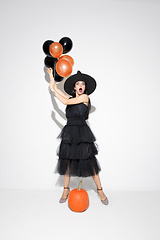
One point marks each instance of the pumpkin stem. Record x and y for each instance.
(79, 186)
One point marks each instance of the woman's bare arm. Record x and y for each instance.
(53, 85)
(66, 101)
(61, 96)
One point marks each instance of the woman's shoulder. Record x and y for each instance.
(85, 97)
(80, 99)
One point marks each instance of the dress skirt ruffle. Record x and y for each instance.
(77, 150)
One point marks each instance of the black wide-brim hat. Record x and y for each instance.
(89, 81)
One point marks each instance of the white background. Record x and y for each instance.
(116, 42)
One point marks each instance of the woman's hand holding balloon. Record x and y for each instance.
(52, 83)
(50, 72)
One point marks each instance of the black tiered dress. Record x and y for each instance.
(77, 149)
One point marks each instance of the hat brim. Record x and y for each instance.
(70, 83)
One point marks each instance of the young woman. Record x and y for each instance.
(77, 149)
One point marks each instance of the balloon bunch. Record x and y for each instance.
(61, 64)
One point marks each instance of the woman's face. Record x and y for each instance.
(80, 87)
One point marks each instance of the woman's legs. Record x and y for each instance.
(66, 186)
(97, 181)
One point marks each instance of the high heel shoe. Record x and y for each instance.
(105, 201)
(63, 200)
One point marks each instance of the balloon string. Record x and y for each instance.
(54, 70)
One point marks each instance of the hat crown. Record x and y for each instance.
(80, 76)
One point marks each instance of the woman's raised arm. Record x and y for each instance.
(53, 85)
(69, 101)
(65, 99)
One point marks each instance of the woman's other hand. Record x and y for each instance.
(50, 72)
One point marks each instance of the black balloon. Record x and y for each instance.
(46, 46)
(57, 77)
(50, 62)
(66, 44)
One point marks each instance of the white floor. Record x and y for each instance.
(38, 215)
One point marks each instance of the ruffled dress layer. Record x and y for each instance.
(77, 149)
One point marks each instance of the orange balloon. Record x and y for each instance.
(56, 49)
(63, 68)
(68, 58)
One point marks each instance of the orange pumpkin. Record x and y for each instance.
(78, 199)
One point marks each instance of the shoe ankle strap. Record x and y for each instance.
(66, 187)
(99, 189)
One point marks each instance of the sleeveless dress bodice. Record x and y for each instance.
(76, 111)
(76, 114)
